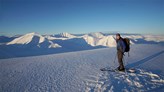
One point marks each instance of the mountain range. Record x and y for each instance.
(36, 44)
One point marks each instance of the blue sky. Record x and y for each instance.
(81, 16)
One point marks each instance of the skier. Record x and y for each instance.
(120, 51)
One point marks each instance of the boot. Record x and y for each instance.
(118, 68)
(121, 69)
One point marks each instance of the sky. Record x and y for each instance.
(81, 16)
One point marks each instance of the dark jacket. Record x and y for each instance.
(121, 45)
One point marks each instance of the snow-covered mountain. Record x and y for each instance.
(33, 40)
(96, 34)
(35, 44)
(108, 41)
(93, 39)
(65, 35)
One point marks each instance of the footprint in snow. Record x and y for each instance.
(140, 81)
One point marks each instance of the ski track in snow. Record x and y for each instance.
(140, 81)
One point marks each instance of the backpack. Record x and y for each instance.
(127, 44)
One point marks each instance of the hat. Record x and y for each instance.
(117, 34)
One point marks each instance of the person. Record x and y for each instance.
(120, 51)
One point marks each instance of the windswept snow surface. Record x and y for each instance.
(80, 71)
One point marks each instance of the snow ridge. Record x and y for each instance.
(33, 39)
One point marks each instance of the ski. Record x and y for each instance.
(116, 70)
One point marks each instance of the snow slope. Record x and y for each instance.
(79, 71)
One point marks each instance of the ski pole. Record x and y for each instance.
(126, 61)
(115, 59)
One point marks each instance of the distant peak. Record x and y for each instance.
(32, 33)
(27, 38)
(96, 34)
(65, 34)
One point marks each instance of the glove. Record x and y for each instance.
(123, 54)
